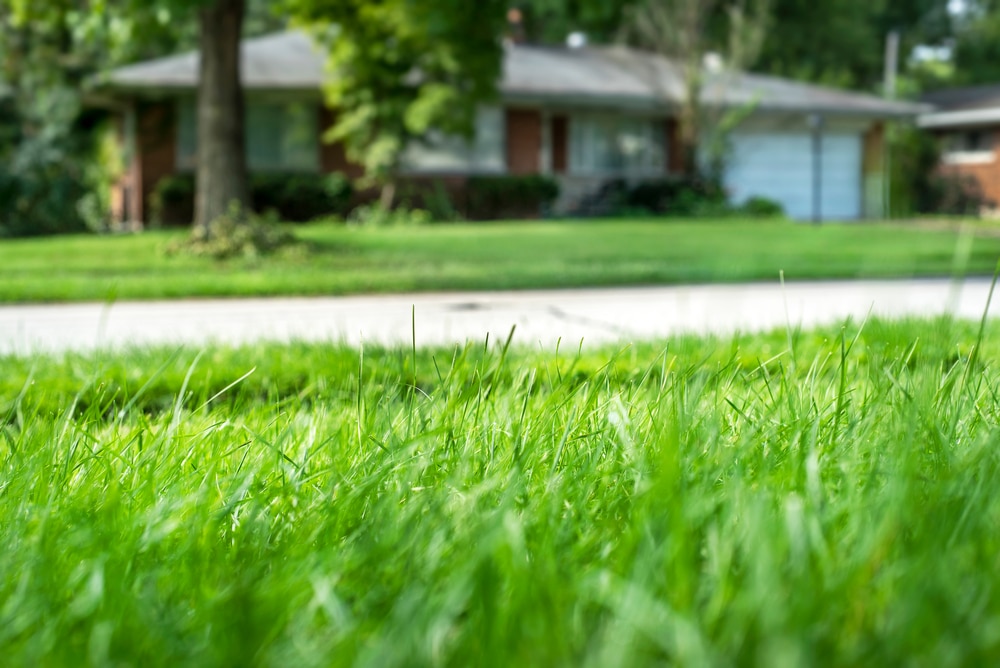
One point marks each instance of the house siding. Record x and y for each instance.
(524, 141)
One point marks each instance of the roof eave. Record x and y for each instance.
(168, 89)
(947, 119)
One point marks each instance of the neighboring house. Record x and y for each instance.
(583, 115)
(966, 122)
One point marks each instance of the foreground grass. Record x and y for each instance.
(824, 498)
(490, 257)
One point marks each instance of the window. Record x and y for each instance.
(439, 152)
(970, 147)
(605, 144)
(279, 136)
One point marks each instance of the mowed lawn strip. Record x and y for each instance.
(817, 498)
(496, 256)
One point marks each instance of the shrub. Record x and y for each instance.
(172, 200)
(435, 197)
(956, 195)
(762, 207)
(233, 235)
(497, 197)
(40, 200)
(666, 197)
(299, 198)
(292, 197)
(54, 172)
(375, 215)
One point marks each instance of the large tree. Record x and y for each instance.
(551, 21)
(837, 42)
(400, 68)
(222, 183)
(50, 46)
(842, 42)
(976, 55)
(687, 31)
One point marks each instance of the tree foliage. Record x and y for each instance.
(402, 67)
(976, 54)
(842, 42)
(550, 21)
(56, 168)
(683, 31)
(837, 42)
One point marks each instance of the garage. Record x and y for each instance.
(779, 166)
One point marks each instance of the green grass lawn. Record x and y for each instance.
(817, 498)
(487, 257)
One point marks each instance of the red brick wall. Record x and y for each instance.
(332, 157)
(156, 143)
(524, 141)
(987, 174)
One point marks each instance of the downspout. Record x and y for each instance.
(816, 125)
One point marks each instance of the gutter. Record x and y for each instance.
(943, 119)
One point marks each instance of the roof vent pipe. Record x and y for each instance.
(576, 40)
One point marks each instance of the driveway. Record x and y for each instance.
(541, 317)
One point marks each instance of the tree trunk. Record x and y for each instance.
(388, 195)
(222, 171)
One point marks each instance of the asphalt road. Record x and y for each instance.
(541, 318)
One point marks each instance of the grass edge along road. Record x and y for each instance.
(825, 497)
(336, 260)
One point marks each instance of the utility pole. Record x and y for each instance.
(889, 92)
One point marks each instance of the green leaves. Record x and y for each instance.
(399, 68)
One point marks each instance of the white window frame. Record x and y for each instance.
(441, 154)
(186, 145)
(585, 133)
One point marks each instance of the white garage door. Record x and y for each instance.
(779, 166)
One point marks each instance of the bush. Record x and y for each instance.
(39, 201)
(499, 197)
(666, 197)
(233, 235)
(955, 195)
(436, 197)
(56, 180)
(292, 197)
(298, 198)
(172, 200)
(375, 215)
(762, 207)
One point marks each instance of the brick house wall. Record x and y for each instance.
(986, 174)
(154, 157)
(332, 156)
(156, 134)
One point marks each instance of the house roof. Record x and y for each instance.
(956, 107)
(281, 61)
(589, 76)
